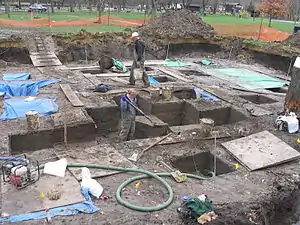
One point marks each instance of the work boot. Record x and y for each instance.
(132, 78)
(146, 80)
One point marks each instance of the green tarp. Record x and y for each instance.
(171, 63)
(246, 78)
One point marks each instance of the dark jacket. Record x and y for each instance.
(139, 50)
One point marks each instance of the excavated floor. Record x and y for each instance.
(96, 124)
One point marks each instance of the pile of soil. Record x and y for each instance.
(178, 25)
(293, 40)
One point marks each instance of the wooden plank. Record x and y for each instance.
(261, 150)
(178, 75)
(263, 92)
(43, 60)
(113, 75)
(103, 154)
(147, 63)
(75, 101)
(27, 200)
(126, 63)
(119, 80)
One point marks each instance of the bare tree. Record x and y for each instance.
(293, 9)
(186, 3)
(165, 4)
(100, 8)
(90, 5)
(215, 5)
(153, 7)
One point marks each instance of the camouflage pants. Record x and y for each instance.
(145, 78)
(127, 130)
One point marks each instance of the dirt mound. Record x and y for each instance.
(293, 40)
(178, 25)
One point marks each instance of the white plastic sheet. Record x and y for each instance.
(57, 168)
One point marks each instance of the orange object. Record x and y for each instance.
(250, 31)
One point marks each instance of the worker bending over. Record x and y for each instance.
(138, 59)
(128, 114)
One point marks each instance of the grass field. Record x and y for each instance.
(219, 19)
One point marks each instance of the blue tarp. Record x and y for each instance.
(152, 80)
(205, 95)
(16, 108)
(16, 76)
(69, 210)
(23, 88)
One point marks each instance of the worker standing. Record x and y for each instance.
(138, 59)
(128, 115)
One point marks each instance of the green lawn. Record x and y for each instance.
(282, 26)
(286, 27)
(76, 29)
(68, 16)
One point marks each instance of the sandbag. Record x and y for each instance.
(91, 184)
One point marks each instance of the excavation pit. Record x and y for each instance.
(194, 73)
(223, 115)
(278, 90)
(176, 113)
(92, 71)
(202, 164)
(163, 79)
(258, 99)
(185, 94)
(107, 118)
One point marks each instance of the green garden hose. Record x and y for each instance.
(148, 174)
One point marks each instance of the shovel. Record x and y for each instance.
(136, 156)
(177, 175)
(140, 111)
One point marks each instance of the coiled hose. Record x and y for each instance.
(147, 174)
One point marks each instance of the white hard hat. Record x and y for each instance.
(135, 34)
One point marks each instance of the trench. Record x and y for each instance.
(71, 53)
(15, 54)
(258, 99)
(204, 163)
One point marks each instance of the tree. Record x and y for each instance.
(153, 8)
(292, 98)
(273, 8)
(215, 5)
(186, 3)
(251, 7)
(293, 9)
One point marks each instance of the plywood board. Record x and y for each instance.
(75, 101)
(261, 150)
(178, 75)
(99, 154)
(28, 200)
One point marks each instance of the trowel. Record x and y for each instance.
(177, 175)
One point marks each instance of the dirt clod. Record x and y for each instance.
(53, 194)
